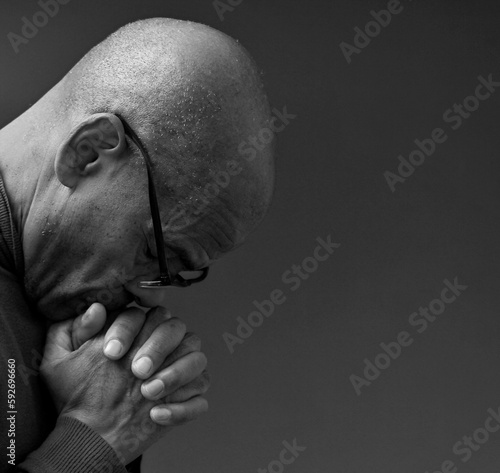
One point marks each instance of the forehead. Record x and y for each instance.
(202, 239)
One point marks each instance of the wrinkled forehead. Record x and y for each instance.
(203, 238)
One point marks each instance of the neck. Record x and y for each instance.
(27, 147)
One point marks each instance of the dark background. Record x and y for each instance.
(290, 379)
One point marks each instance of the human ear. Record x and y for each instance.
(98, 140)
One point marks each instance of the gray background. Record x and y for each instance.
(290, 379)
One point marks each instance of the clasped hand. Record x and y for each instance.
(131, 379)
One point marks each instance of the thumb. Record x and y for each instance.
(58, 343)
(87, 325)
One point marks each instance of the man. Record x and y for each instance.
(76, 220)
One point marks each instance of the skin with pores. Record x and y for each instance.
(81, 224)
(81, 205)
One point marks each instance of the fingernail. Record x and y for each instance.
(161, 414)
(113, 348)
(154, 387)
(143, 366)
(87, 316)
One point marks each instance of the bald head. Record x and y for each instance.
(194, 96)
(195, 99)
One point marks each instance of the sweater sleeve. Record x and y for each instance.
(73, 447)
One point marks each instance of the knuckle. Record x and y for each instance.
(182, 417)
(157, 316)
(174, 375)
(207, 378)
(155, 348)
(198, 407)
(123, 327)
(126, 324)
(176, 324)
(204, 382)
(162, 314)
(172, 329)
(192, 341)
(201, 360)
(135, 312)
(203, 406)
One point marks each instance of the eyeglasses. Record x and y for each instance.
(184, 278)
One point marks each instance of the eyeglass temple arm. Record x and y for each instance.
(160, 244)
(155, 211)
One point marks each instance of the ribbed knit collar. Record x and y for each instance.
(11, 250)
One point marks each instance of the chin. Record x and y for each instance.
(58, 308)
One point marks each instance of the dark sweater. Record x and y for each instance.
(43, 443)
